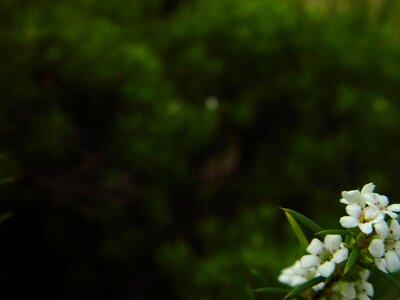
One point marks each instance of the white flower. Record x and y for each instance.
(346, 289)
(382, 203)
(386, 233)
(325, 255)
(296, 274)
(386, 248)
(359, 289)
(364, 289)
(364, 218)
(381, 264)
(368, 197)
(357, 197)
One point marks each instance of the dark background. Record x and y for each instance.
(152, 142)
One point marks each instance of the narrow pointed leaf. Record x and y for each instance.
(348, 239)
(259, 276)
(272, 290)
(352, 260)
(388, 278)
(333, 231)
(305, 286)
(250, 293)
(303, 220)
(297, 231)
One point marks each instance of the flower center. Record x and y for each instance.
(363, 219)
(325, 255)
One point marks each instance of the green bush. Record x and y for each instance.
(154, 142)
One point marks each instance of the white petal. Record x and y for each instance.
(297, 268)
(368, 288)
(371, 213)
(395, 229)
(381, 264)
(287, 271)
(392, 261)
(394, 207)
(364, 274)
(366, 227)
(369, 199)
(379, 217)
(351, 196)
(377, 248)
(309, 261)
(315, 247)
(382, 229)
(285, 278)
(332, 242)
(381, 201)
(349, 222)
(368, 188)
(340, 256)
(344, 201)
(396, 247)
(363, 297)
(391, 214)
(348, 290)
(326, 269)
(297, 280)
(354, 210)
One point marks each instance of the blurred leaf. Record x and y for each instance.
(388, 278)
(250, 292)
(272, 290)
(259, 276)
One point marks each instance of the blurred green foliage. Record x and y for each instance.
(154, 141)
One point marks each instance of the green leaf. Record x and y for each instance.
(333, 231)
(352, 260)
(303, 220)
(259, 276)
(305, 286)
(387, 277)
(272, 290)
(297, 231)
(250, 293)
(347, 240)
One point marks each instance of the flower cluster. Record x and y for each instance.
(338, 267)
(324, 256)
(385, 248)
(359, 288)
(296, 274)
(366, 209)
(374, 216)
